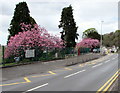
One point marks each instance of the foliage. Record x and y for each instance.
(0, 54)
(91, 33)
(67, 23)
(21, 15)
(31, 38)
(88, 43)
(111, 39)
(9, 60)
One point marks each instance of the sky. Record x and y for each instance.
(47, 14)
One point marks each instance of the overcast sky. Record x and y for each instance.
(47, 13)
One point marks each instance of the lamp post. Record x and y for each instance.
(101, 38)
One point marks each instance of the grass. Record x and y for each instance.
(9, 64)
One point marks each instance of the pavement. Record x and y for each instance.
(97, 75)
(42, 67)
(116, 85)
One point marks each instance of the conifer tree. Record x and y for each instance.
(21, 15)
(67, 23)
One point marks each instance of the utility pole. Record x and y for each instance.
(101, 38)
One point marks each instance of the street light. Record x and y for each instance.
(101, 38)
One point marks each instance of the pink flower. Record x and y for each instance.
(88, 43)
(32, 37)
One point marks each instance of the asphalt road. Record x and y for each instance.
(91, 76)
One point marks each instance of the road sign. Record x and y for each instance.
(30, 53)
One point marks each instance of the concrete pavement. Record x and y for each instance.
(88, 77)
(42, 67)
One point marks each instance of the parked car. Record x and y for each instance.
(96, 50)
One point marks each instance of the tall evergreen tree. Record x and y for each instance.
(21, 15)
(67, 23)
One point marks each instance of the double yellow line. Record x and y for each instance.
(107, 85)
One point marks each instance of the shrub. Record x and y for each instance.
(88, 43)
(31, 38)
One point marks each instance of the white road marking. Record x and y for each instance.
(37, 87)
(114, 58)
(107, 61)
(74, 73)
(97, 65)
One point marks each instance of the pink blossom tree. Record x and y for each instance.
(88, 43)
(31, 38)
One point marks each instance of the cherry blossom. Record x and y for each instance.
(88, 43)
(31, 37)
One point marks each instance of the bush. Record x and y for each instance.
(34, 38)
(25, 60)
(9, 60)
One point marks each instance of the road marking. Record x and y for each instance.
(74, 74)
(37, 87)
(26, 79)
(97, 65)
(107, 61)
(108, 82)
(116, 57)
(93, 63)
(68, 68)
(13, 83)
(51, 72)
(113, 58)
(81, 65)
(88, 63)
(59, 70)
(41, 75)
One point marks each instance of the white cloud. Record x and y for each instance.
(47, 13)
(3, 37)
(90, 14)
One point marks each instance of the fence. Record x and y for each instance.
(37, 54)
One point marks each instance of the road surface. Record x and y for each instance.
(91, 76)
